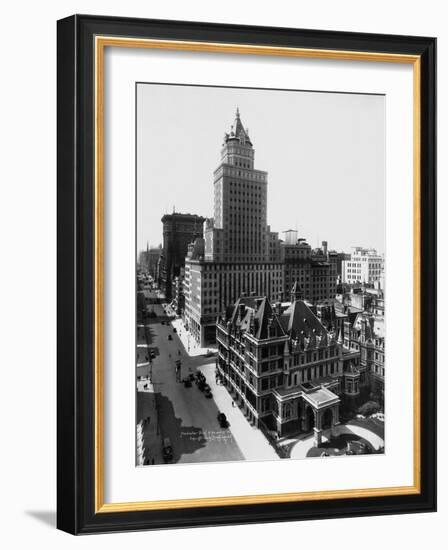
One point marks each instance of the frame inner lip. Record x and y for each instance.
(102, 41)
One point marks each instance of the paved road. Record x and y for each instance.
(186, 416)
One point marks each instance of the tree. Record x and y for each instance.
(369, 408)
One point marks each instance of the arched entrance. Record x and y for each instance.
(309, 416)
(327, 419)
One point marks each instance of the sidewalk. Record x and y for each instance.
(149, 442)
(191, 347)
(250, 440)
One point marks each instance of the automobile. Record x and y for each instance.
(208, 392)
(162, 322)
(210, 353)
(167, 450)
(222, 419)
(201, 382)
(170, 337)
(174, 329)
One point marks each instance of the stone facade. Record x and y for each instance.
(314, 270)
(210, 286)
(179, 230)
(283, 367)
(367, 334)
(177, 292)
(364, 266)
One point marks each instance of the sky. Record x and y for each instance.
(324, 154)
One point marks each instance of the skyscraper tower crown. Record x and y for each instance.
(237, 148)
(237, 131)
(239, 232)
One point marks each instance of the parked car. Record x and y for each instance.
(222, 419)
(201, 382)
(170, 337)
(174, 329)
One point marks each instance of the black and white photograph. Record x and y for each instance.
(218, 213)
(260, 307)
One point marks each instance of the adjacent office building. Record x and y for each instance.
(314, 270)
(364, 266)
(178, 231)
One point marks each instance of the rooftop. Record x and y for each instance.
(321, 397)
(256, 315)
(237, 131)
(182, 216)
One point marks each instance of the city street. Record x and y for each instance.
(185, 415)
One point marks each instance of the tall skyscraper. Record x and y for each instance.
(239, 230)
(239, 254)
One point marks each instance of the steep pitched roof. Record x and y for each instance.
(238, 125)
(298, 320)
(255, 311)
(266, 317)
(238, 130)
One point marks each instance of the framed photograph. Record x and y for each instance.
(246, 274)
